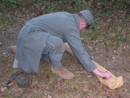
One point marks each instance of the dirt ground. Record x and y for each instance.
(45, 84)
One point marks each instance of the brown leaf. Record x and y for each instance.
(109, 90)
(58, 88)
(99, 91)
(50, 82)
(75, 88)
(47, 76)
(125, 61)
(90, 87)
(89, 47)
(9, 65)
(49, 96)
(84, 90)
(108, 94)
(8, 15)
(3, 94)
(70, 67)
(42, 72)
(128, 70)
(35, 86)
(87, 96)
(39, 85)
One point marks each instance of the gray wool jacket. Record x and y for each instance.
(34, 34)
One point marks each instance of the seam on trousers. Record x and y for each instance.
(52, 45)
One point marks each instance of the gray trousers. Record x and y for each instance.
(53, 51)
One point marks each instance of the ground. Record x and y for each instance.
(113, 54)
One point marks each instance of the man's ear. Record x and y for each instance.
(83, 25)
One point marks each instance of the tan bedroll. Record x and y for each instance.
(112, 83)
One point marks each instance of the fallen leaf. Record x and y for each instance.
(108, 94)
(40, 85)
(87, 96)
(82, 38)
(70, 67)
(3, 94)
(8, 15)
(113, 58)
(99, 91)
(101, 86)
(4, 53)
(9, 65)
(42, 72)
(89, 47)
(35, 86)
(128, 70)
(109, 90)
(0, 44)
(47, 76)
(49, 96)
(75, 88)
(58, 88)
(84, 90)
(125, 61)
(50, 82)
(90, 87)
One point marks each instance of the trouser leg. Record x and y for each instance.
(53, 51)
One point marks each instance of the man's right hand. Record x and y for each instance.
(104, 75)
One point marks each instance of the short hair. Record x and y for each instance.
(81, 17)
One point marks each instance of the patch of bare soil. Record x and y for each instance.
(45, 84)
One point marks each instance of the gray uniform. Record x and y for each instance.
(35, 33)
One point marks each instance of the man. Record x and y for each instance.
(44, 37)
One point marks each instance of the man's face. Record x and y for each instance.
(82, 26)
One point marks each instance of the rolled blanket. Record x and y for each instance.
(112, 83)
(68, 49)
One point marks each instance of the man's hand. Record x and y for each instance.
(105, 75)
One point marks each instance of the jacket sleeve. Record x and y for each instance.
(74, 41)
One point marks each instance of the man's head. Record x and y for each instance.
(86, 19)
